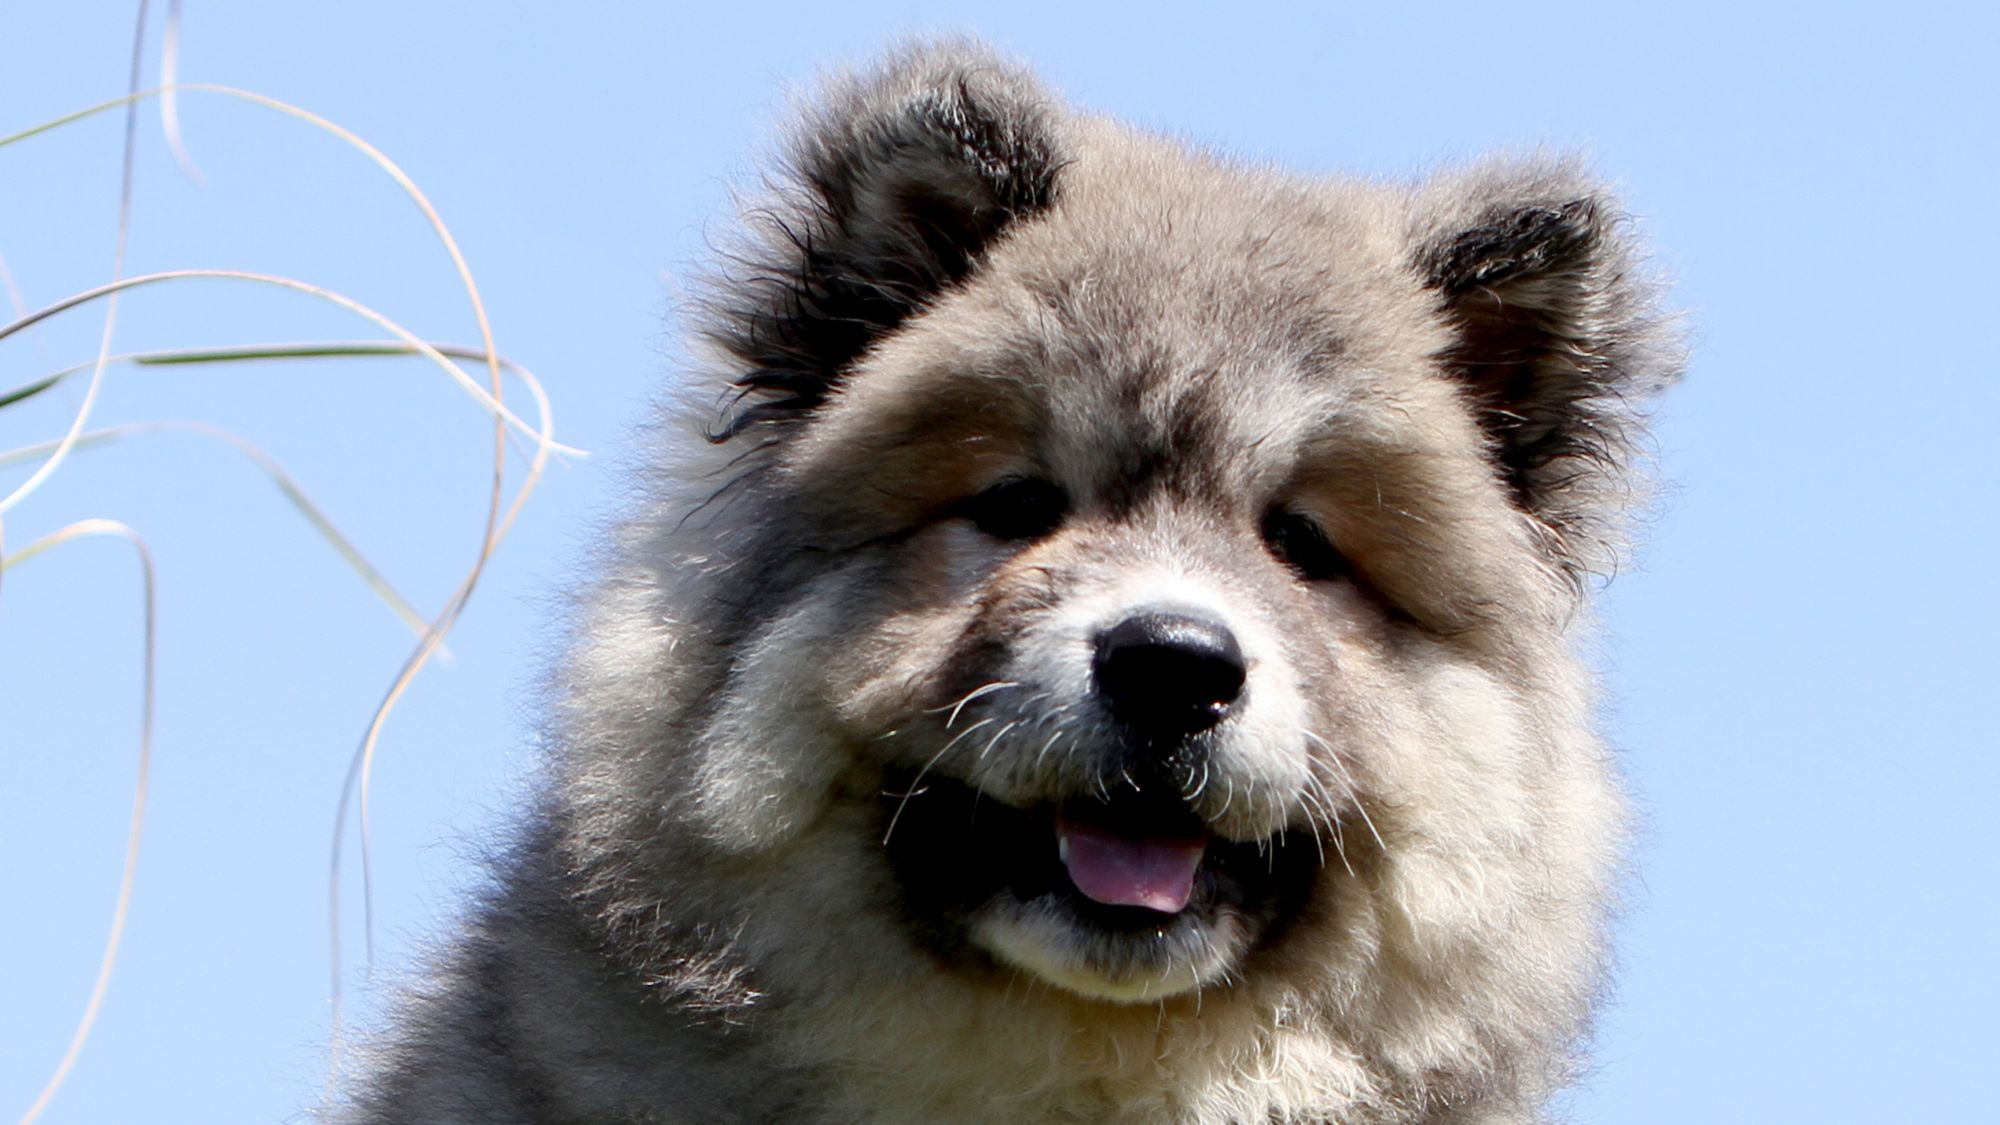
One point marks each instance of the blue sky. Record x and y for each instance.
(1799, 667)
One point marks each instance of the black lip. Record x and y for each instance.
(953, 849)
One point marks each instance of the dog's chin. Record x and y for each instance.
(1164, 955)
(1126, 900)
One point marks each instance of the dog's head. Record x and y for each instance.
(1160, 567)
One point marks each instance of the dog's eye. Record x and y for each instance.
(1299, 543)
(1022, 508)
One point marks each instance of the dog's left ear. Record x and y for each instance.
(1557, 337)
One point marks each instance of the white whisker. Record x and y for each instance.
(1002, 733)
(1313, 806)
(1347, 785)
(975, 693)
(1325, 802)
(1044, 751)
(917, 783)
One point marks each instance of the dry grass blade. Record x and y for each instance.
(126, 169)
(362, 765)
(325, 349)
(170, 103)
(287, 484)
(382, 161)
(103, 527)
(540, 434)
(349, 349)
(13, 290)
(79, 530)
(497, 522)
(497, 525)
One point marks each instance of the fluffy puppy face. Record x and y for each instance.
(1141, 590)
(1150, 574)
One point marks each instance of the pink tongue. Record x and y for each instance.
(1153, 872)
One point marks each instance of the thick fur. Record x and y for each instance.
(801, 639)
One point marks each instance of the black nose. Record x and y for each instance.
(1167, 675)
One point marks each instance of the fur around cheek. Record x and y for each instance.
(892, 670)
(791, 715)
(764, 765)
(1453, 787)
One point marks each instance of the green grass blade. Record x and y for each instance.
(30, 390)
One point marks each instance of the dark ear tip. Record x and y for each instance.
(951, 112)
(1511, 240)
(1462, 196)
(929, 74)
(1505, 217)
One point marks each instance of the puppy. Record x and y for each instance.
(1095, 645)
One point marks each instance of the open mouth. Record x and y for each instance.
(1114, 867)
(1124, 894)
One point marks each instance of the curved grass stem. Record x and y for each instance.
(80, 530)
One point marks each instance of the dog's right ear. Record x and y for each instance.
(897, 180)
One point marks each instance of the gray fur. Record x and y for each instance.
(957, 280)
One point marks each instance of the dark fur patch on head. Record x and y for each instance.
(896, 185)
